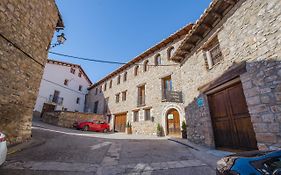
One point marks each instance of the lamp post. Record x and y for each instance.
(60, 40)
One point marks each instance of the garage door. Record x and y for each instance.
(120, 122)
(231, 120)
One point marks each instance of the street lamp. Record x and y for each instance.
(60, 40)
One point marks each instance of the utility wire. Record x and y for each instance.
(62, 86)
(104, 61)
(17, 47)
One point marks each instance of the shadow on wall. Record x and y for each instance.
(261, 88)
(97, 103)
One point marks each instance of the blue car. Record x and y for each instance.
(251, 163)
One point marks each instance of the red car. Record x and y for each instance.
(92, 125)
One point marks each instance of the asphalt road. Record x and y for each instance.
(66, 153)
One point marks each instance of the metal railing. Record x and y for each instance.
(55, 99)
(172, 96)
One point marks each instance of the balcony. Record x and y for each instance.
(141, 101)
(172, 96)
(55, 99)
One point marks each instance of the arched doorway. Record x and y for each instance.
(173, 122)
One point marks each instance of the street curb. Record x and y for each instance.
(25, 145)
(173, 140)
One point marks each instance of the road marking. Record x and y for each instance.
(100, 145)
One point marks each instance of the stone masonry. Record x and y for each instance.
(251, 33)
(248, 33)
(27, 27)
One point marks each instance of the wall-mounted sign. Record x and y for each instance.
(170, 116)
(200, 102)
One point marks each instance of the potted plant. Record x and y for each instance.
(160, 132)
(129, 128)
(183, 130)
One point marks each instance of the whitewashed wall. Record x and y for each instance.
(57, 74)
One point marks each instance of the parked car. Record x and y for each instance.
(92, 125)
(251, 163)
(3, 148)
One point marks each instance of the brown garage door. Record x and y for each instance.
(231, 120)
(120, 122)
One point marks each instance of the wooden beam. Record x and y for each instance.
(207, 26)
(231, 2)
(198, 36)
(218, 15)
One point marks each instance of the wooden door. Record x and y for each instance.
(120, 122)
(173, 122)
(231, 120)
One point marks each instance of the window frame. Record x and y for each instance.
(136, 70)
(117, 98)
(136, 118)
(158, 59)
(145, 66)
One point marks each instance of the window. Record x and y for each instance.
(80, 88)
(96, 91)
(136, 116)
(117, 98)
(96, 104)
(147, 114)
(80, 74)
(110, 84)
(170, 52)
(145, 66)
(125, 76)
(141, 96)
(100, 89)
(167, 87)
(77, 100)
(72, 70)
(212, 53)
(104, 88)
(105, 109)
(136, 70)
(124, 95)
(66, 81)
(118, 79)
(157, 60)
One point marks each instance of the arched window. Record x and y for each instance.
(170, 52)
(118, 79)
(157, 60)
(110, 84)
(145, 66)
(125, 76)
(136, 71)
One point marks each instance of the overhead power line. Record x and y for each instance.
(103, 61)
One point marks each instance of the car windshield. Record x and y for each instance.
(273, 164)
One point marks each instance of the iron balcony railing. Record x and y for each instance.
(55, 99)
(172, 96)
(141, 101)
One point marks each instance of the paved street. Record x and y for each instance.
(67, 151)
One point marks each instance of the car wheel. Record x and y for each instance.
(105, 130)
(86, 128)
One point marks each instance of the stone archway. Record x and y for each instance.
(179, 108)
(173, 122)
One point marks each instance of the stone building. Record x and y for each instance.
(227, 70)
(230, 71)
(144, 90)
(27, 28)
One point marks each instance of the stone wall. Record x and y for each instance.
(250, 32)
(27, 27)
(153, 92)
(66, 119)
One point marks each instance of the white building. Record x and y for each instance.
(63, 86)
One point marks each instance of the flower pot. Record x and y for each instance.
(129, 130)
(184, 134)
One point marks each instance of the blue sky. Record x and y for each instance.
(119, 30)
